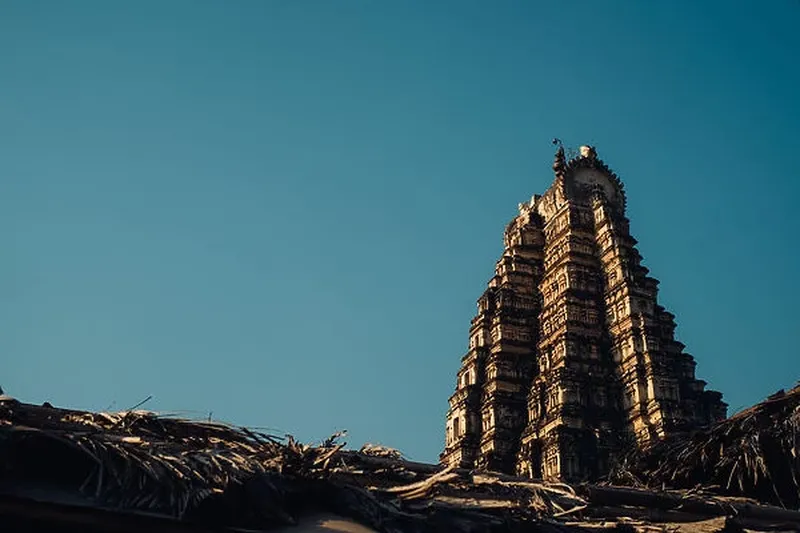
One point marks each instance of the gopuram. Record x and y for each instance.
(571, 359)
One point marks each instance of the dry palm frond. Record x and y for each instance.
(753, 453)
(236, 477)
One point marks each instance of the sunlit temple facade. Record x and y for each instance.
(571, 358)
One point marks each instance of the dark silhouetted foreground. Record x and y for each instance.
(64, 470)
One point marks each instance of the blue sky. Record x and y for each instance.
(282, 212)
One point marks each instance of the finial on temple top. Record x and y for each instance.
(560, 162)
(589, 152)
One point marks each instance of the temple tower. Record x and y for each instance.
(570, 356)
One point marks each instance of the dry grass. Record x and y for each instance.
(755, 453)
(234, 477)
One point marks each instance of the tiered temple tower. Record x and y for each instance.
(571, 359)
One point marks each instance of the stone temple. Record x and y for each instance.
(571, 358)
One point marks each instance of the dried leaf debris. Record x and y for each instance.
(754, 453)
(214, 474)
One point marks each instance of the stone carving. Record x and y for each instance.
(571, 359)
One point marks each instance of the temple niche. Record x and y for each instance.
(571, 359)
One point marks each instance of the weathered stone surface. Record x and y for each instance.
(571, 358)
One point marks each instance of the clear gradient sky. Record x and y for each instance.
(282, 212)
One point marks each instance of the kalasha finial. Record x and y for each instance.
(588, 152)
(560, 162)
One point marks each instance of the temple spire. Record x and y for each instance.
(552, 383)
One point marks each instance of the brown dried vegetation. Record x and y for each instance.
(227, 477)
(754, 453)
